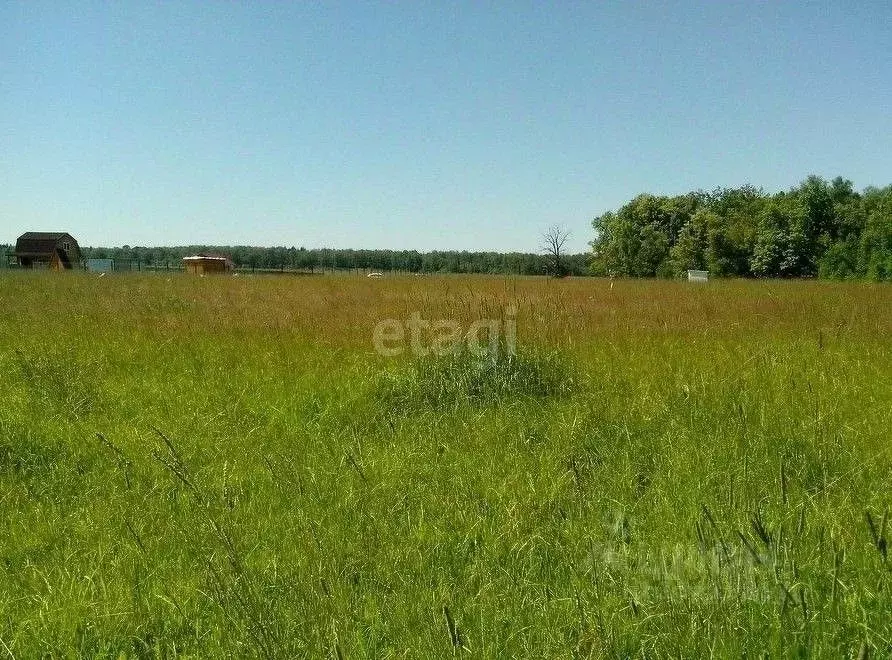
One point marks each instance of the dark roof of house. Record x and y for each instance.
(35, 243)
(43, 235)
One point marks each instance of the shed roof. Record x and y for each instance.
(205, 257)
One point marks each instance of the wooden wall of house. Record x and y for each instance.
(214, 267)
(209, 267)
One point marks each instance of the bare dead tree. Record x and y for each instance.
(553, 241)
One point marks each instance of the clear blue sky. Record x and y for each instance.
(421, 125)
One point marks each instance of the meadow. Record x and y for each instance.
(224, 466)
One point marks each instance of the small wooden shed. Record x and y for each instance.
(47, 250)
(207, 264)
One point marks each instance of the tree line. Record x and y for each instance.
(325, 259)
(819, 228)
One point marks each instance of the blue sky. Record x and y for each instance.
(421, 125)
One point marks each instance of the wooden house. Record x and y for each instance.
(207, 264)
(47, 250)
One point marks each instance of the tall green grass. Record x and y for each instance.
(224, 467)
(464, 378)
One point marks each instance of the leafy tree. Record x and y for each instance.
(636, 240)
(875, 253)
(781, 242)
(692, 249)
(818, 218)
(840, 261)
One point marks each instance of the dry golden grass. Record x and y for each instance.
(342, 311)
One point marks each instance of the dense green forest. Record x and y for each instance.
(819, 228)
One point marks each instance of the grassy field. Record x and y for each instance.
(226, 467)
